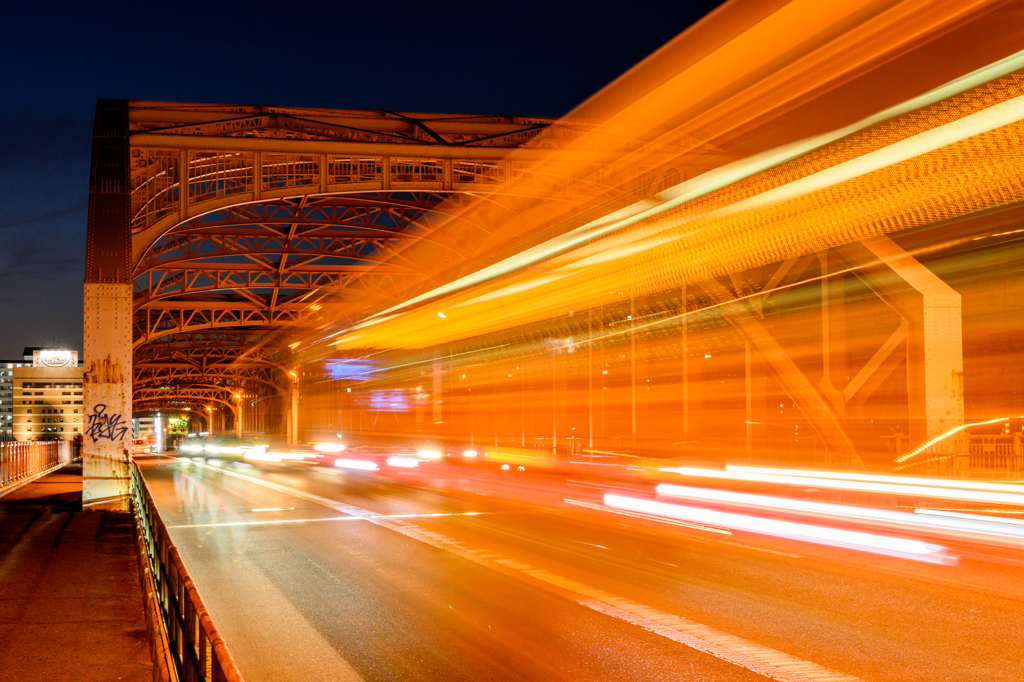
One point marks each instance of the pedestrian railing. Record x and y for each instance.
(21, 460)
(198, 650)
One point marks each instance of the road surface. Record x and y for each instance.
(453, 572)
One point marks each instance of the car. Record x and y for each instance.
(140, 446)
(462, 453)
(227, 446)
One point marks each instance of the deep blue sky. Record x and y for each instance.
(531, 59)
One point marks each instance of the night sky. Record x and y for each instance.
(530, 59)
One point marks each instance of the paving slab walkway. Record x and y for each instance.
(70, 602)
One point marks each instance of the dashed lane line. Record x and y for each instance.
(762, 660)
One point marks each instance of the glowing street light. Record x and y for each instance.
(442, 315)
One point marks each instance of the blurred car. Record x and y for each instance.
(278, 450)
(227, 447)
(140, 446)
(378, 458)
(462, 453)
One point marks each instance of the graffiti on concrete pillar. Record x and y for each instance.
(103, 425)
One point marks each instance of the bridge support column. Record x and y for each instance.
(107, 397)
(933, 332)
(437, 392)
(107, 316)
(238, 419)
(756, 400)
(293, 416)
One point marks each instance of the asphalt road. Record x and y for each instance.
(450, 572)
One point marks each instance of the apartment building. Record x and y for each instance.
(7, 395)
(46, 396)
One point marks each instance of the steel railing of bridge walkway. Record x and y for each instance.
(198, 650)
(23, 461)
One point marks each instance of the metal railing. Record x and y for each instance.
(21, 460)
(198, 650)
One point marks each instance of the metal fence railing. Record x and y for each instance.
(198, 650)
(20, 460)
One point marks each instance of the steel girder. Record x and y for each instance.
(206, 349)
(158, 324)
(235, 241)
(176, 375)
(194, 395)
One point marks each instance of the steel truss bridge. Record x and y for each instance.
(225, 240)
(215, 231)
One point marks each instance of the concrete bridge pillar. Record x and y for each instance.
(107, 316)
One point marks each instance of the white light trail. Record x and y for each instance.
(833, 537)
(882, 478)
(961, 526)
(862, 486)
(649, 517)
(260, 454)
(982, 518)
(403, 462)
(355, 464)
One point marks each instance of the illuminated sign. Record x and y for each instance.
(55, 358)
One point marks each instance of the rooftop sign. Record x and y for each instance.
(55, 358)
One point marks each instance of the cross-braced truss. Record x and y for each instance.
(247, 220)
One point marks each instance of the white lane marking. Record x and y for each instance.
(758, 549)
(760, 659)
(649, 517)
(327, 518)
(266, 523)
(674, 522)
(772, 664)
(600, 486)
(416, 516)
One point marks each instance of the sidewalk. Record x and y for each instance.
(70, 603)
